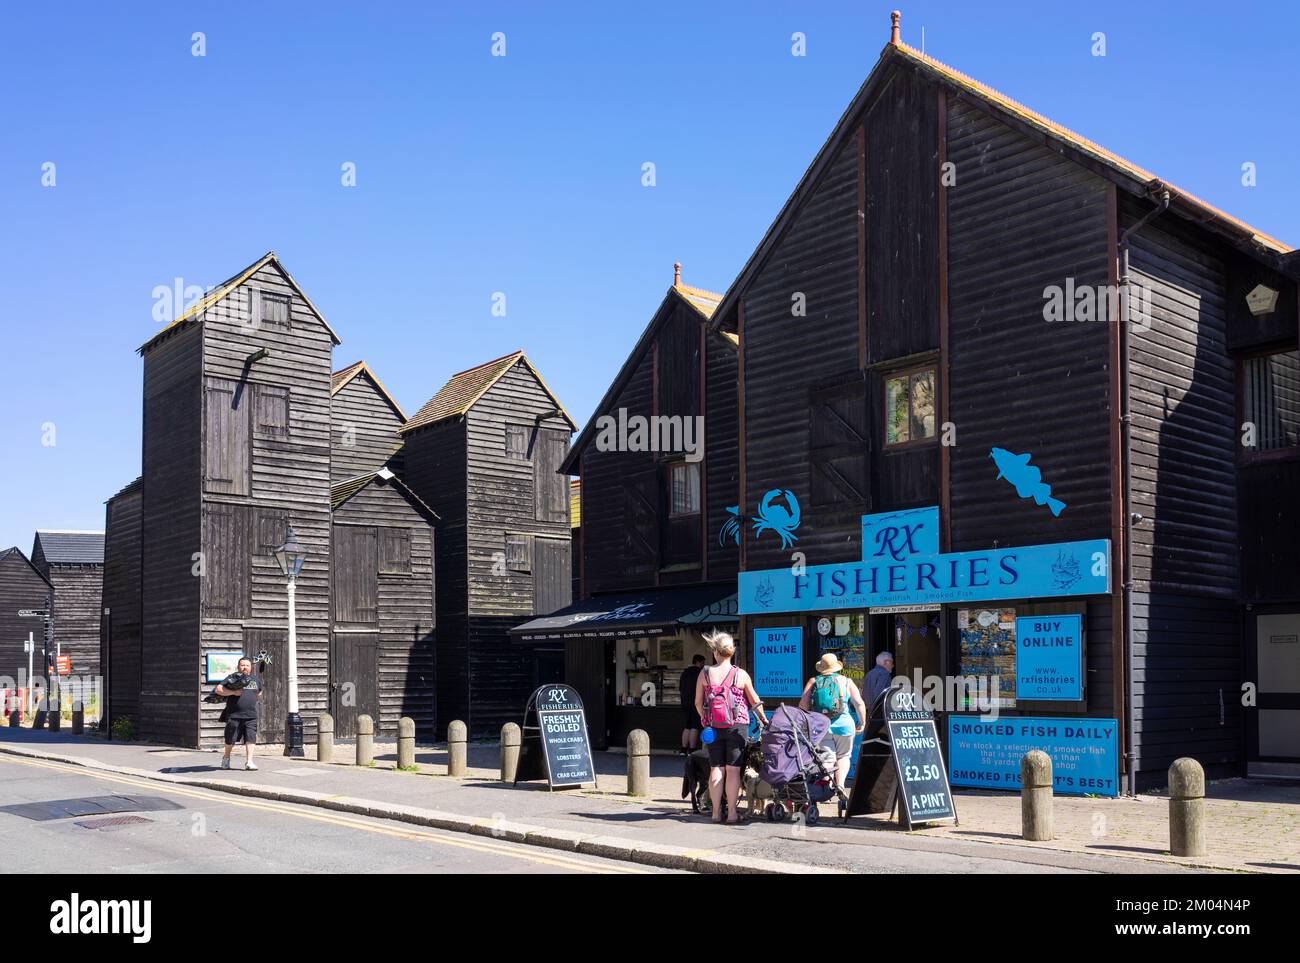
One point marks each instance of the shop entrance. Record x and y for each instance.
(1276, 738)
(914, 637)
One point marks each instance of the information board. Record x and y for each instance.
(987, 753)
(555, 744)
(778, 662)
(1049, 658)
(918, 760)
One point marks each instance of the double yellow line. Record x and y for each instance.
(516, 851)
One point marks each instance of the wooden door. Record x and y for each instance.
(274, 677)
(354, 680)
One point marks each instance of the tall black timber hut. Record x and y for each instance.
(655, 567)
(22, 586)
(924, 242)
(120, 649)
(73, 561)
(382, 646)
(485, 453)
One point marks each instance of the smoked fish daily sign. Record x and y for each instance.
(901, 565)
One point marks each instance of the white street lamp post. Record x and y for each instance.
(290, 557)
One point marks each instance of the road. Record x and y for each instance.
(214, 832)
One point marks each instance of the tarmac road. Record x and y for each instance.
(214, 832)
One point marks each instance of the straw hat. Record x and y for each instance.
(828, 664)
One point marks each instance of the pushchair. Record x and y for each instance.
(799, 770)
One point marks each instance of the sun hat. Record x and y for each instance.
(828, 664)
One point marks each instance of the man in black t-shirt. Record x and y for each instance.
(690, 719)
(243, 691)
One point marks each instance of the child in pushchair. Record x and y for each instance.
(799, 770)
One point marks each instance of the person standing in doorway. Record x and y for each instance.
(880, 678)
(243, 692)
(724, 696)
(690, 717)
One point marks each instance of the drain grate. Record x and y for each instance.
(111, 822)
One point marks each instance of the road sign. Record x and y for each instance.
(34, 613)
(64, 665)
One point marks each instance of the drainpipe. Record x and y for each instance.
(1160, 194)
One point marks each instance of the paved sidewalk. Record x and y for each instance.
(1254, 826)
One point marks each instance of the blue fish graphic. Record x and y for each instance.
(1026, 478)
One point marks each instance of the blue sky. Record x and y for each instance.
(522, 174)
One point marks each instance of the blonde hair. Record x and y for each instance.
(720, 643)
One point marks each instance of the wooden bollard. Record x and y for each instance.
(638, 763)
(405, 743)
(56, 716)
(1186, 808)
(456, 750)
(78, 720)
(325, 737)
(1036, 795)
(511, 737)
(365, 740)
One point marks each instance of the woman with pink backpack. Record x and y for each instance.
(724, 695)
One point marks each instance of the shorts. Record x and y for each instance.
(690, 718)
(843, 745)
(727, 747)
(241, 730)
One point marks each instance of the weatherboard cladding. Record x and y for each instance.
(22, 586)
(120, 630)
(364, 425)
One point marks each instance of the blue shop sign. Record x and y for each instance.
(778, 662)
(1049, 658)
(986, 753)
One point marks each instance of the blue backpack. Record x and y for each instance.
(827, 696)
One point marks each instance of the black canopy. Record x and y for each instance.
(633, 614)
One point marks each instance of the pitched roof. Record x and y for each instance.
(195, 311)
(345, 376)
(68, 547)
(345, 489)
(703, 302)
(465, 388)
(129, 488)
(1137, 179)
(17, 552)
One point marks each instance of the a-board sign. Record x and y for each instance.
(918, 759)
(63, 665)
(555, 744)
(918, 776)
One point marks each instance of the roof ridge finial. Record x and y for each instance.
(894, 18)
(677, 274)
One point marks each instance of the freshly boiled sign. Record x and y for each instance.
(902, 566)
(555, 743)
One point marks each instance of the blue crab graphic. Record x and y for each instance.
(1065, 570)
(782, 519)
(764, 593)
(731, 527)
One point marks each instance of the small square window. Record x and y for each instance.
(272, 411)
(910, 407)
(517, 553)
(684, 488)
(275, 311)
(516, 443)
(394, 551)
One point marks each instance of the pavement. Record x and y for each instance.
(1253, 825)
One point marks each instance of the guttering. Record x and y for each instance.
(1160, 194)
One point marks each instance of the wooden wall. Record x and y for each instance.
(78, 592)
(363, 430)
(721, 456)
(21, 587)
(171, 511)
(289, 481)
(402, 673)
(120, 629)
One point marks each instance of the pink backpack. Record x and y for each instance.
(720, 710)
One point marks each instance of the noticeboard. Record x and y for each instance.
(555, 744)
(1049, 658)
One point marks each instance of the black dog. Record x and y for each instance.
(695, 780)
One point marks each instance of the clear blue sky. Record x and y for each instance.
(519, 174)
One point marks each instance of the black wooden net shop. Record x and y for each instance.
(1048, 346)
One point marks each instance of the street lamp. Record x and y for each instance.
(290, 557)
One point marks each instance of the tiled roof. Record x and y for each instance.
(80, 548)
(195, 311)
(460, 392)
(341, 378)
(705, 302)
(130, 488)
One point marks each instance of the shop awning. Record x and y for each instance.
(634, 614)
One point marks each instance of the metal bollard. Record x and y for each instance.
(638, 763)
(365, 740)
(511, 737)
(1036, 795)
(78, 720)
(1186, 808)
(456, 736)
(405, 743)
(325, 737)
